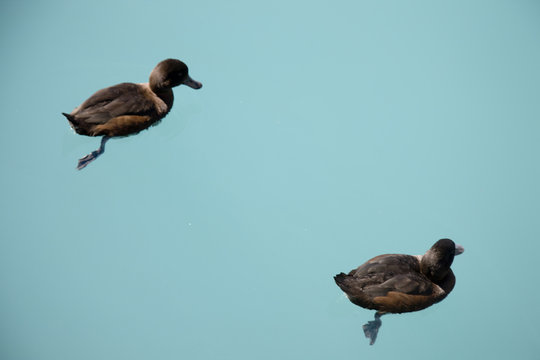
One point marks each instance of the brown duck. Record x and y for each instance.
(126, 109)
(396, 283)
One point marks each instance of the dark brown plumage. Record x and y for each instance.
(396, 283)
(126, 109)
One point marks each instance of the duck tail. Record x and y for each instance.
(68, 116)
(341, 280)
(74, 123)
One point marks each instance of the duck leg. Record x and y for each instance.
(371, 329)
(93, 155)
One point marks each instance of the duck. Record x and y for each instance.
(398, 283)
(126, 109)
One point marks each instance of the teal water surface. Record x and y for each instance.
(326, 132)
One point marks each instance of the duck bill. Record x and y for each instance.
(192, 83)
(459, 249)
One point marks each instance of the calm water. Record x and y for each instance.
(326, 133)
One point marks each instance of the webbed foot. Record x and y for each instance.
(83, 162)
(371, 329)
(87, 159)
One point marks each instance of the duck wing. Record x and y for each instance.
(384, 267)
(111, 102)
(384, 276)
(410, 284)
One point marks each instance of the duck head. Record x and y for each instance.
(436, 262)
(170, 73)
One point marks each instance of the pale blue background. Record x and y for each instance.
(327, 132)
